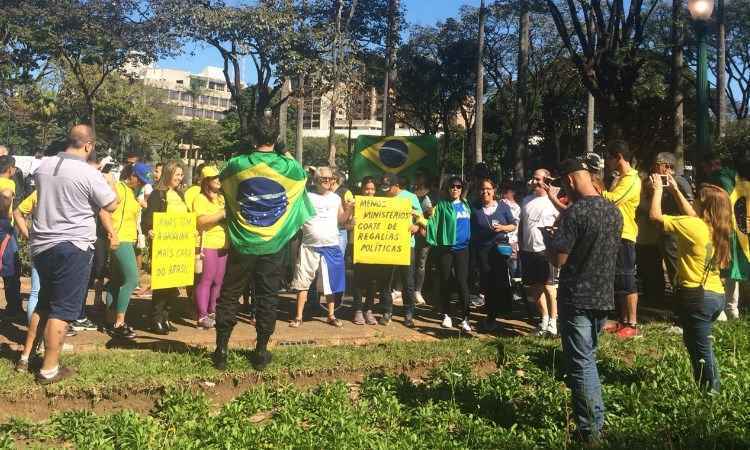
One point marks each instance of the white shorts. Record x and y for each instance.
(327, 262)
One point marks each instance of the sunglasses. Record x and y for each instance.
(457, 186)
(325, 179)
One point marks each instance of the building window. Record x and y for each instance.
(214, 101)
(215, 86)
(179, 81)
(311, 118)
(224, 103)
(174, 95)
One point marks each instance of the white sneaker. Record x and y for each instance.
(722, 317)
(465, 327)
(733, 314)
(543, 327)
(477, 300)
(552, 327)
(419, 298)
(397, 298)
(447, 322)
(674, 329)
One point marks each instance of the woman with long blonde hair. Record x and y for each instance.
(702, 252)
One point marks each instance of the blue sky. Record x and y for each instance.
(420, 12)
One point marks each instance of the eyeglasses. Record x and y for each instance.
(325, 179)
(457, 186)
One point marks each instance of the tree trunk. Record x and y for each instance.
(676, 87)
(332, 136)
(479, 119)
(91, 111)
(590, 122)
(520, 138)
(286, 89)
(300, 119)
(721, 71)
(389, 123)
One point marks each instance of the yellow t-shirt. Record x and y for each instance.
(626, 195)
(175, 202)
(215, 237)
(26, 207)
(190, 195)
(125, 217)
(7, 183)
(694, 252)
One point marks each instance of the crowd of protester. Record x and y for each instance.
(573, 241)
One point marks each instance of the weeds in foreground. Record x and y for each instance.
(651, 402)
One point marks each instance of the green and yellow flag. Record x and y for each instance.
(266, 201)
(740, 269)
(376, 155)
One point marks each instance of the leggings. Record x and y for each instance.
(458, 261)
(209, 287)
(124, 277)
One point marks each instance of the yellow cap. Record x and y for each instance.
(209, 171)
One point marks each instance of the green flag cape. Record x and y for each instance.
(740, 268)
(266, 201)
(376, 155)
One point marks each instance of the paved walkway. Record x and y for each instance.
(314, 331)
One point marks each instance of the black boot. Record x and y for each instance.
(261, 357)
(159, 328)
(222, 348)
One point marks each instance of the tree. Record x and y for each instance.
(738, 57)
(605, 42)
(520, 126)
(93, 39)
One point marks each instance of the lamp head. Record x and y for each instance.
(701, 9)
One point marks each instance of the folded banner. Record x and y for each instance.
(266, 201)
(376, 155)
(173, 251)
(381, 230)
(740, 269)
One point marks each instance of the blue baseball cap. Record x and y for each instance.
(143, 172)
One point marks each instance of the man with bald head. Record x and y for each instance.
(70, 194)
(583, 244)
(537, 211)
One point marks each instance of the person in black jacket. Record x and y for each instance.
(165, 198)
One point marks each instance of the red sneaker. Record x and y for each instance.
(613, 327)
(628, 332)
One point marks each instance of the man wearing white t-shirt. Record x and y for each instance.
(320, 252)
(537, 211)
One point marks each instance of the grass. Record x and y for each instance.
(651, 399)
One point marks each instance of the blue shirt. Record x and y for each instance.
(482, 232)
(416, 208)
(463, 226)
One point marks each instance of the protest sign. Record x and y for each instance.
(173, 250)
(381, 230)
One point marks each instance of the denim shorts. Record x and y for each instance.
(625, 274)
(64, 272)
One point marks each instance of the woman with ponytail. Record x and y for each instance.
(702, 252)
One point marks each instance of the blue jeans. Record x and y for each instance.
(579, 330)
(34, 294)
(696, 317)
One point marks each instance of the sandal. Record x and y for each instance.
(333, 321)
(296, 323)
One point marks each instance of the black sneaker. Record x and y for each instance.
(259, 359)
(385, 319)
(122, 332)
(84, 325)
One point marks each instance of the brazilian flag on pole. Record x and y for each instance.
(376, 155)
(740, 269)
(266, 201)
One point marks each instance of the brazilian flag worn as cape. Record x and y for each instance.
(377, 155)
(740, 268)
(266, 201)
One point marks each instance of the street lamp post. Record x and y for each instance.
(700, 11)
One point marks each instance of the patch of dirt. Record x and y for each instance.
(38, 407)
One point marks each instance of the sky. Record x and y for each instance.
(419, 12)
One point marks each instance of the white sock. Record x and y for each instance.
(24, 358)
(49, 373)
(545, 321)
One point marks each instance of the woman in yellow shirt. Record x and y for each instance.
(702, 251)
(210, 214)
(125, 278)
(165, 198)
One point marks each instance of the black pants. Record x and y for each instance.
(494, 282)
(368, 279)
(648, 259)
(450, 262)
(404, 274)
(161, 300)
(266, 273)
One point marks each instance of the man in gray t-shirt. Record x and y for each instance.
(70, 194)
